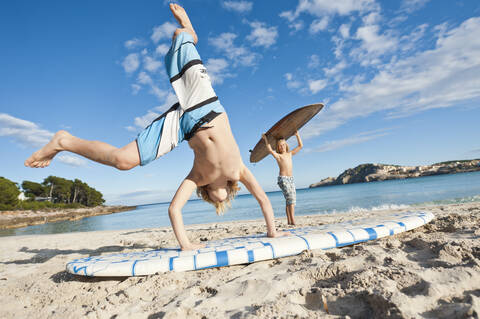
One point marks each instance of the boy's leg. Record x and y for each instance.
(291, 212)
(123, 158)
(182, 18)
(288, 214)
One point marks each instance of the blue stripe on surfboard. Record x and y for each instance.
(271, 247)
(133, 267)
(372, 234)
(222, 258)
(334, 237)
(170, 262)
(306, 242)
(353, 236)
(250, 256)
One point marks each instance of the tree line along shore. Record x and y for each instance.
(54, 199)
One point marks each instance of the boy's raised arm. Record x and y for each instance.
(175, 213)
(269, 148)
(300, 144)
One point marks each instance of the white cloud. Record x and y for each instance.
(372, 18)
(410, 6)
(150, 64)
(72, 160)
(170, 100)
(373, 44)
(356, 139)
(339, 44)
(131, 63)
(24, 132)
(164, 31)
(29, 134)
(291, 82)
(217, 70)
(145, 79)
(135, 88)
(162, 49)
(238, 6)
(262, 35)
(296, 26)
(134, 43)
(409, 41)
(321, 8)
(314, 61)
(336, 68)
(316, 86)
(141, 122)
(238, 55)
(445, 76)
(344, 30)
(319, 25)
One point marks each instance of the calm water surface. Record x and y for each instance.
(464, 187)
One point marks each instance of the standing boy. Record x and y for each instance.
(283, 155)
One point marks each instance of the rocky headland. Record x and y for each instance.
(365, 173)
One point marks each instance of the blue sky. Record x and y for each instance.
(400, 80)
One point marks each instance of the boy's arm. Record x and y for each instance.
(269, 148)
(256, 190)
(175, 213)
(300, 144)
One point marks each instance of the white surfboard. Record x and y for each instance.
(249, 249)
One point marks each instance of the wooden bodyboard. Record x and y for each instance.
(284, 128)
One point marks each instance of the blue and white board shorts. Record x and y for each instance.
(287, 185)
(197, 102)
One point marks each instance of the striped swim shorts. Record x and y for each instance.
(197, 102)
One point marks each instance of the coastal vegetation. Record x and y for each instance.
(53, 192)
(365, 173)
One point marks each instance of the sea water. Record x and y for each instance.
(431, 190)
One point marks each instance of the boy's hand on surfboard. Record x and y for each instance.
(193, 247)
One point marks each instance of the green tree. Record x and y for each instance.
(8, 194)
(94, 197)
(76, 189)
(58, 188)
(33, 189)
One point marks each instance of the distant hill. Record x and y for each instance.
(365, 173)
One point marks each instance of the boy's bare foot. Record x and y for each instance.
(44, 156)
(182, 18)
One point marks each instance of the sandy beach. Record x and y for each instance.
(430, 272)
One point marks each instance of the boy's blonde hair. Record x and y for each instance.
(220, 207)
(281, 139)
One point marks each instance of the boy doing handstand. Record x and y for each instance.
(285, 181)
(217, 165)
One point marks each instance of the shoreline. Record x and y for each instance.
(24, 218)
(430, 271)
